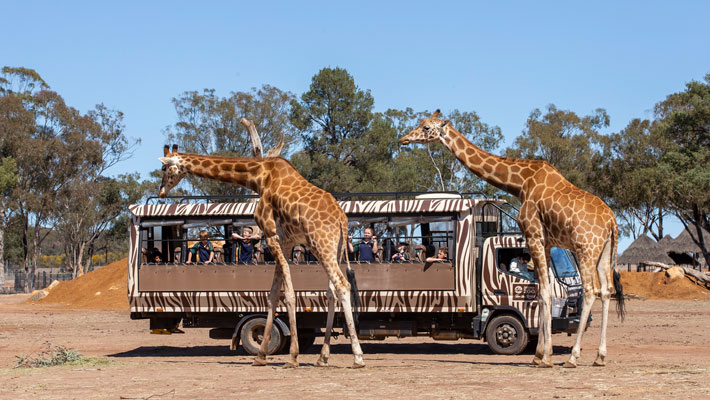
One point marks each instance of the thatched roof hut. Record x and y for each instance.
(666, 242)
(644, 249)
(684, 243)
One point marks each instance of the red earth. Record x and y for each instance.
(657, 352)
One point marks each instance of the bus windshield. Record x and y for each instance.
(563, 263)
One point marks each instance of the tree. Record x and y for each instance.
(452, 175)
(209, 124)
(88, 210)
(90, 203)
(8, 178)
(626, 175)
(58, 152)
(564, 139)
(684, 166)
(333, 119)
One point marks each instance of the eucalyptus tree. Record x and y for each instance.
(210, 124)
(684, 165)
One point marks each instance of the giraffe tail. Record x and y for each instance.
(343, 252)
(618, 288)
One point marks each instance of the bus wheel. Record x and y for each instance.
(505, 335)
(253, 333)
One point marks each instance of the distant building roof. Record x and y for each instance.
(684, 243)
(644, 249)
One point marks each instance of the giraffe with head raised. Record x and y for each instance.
(553, 212)
(290, 211)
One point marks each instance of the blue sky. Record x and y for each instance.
(499, 59)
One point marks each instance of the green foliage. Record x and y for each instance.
(61, 156)
(21, 81)
(683, 170)
(8, 175)
(454, 175)
(209, 124)
(52, 355)
(333, 119)
(564, 139)
(626, 174)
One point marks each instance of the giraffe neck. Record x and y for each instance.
(491, 168)
(246, 172)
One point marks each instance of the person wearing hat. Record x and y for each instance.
(522, 267)
(401, 255)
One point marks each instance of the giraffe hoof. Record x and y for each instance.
(599, 363)
(544, 364)
(321, 363)
(535, 361)
(291, 364)
(259, 362)
(568, 364)
(357, 365)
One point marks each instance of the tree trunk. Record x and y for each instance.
(699, 276)
(3, 225)
(26, 265)
(35, 256)
(699, 232)
(79, 259)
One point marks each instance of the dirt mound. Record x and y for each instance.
(101, 289)
(657, 285)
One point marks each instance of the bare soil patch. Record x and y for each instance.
(658, 285)
(101, 289)
(658, 352)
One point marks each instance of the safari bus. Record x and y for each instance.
(472, 294)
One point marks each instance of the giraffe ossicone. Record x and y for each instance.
(553, 212)
(285, 200)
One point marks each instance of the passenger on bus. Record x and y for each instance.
(442, 255)
(522, 267)
(152, 256)
(246, 244)
(155, 256)
(402, 254)
(367, 248)
(203, 249)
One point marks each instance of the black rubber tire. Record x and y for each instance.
(253, 332)
(506, 335)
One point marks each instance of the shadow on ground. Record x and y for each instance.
(338, 348)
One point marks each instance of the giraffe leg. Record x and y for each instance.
(290, 300)
(260, 359)
(342, 288)
(325, 351)
(586, 309)
(601, 354)
(603, 271)
(348, 311)
(543, 352)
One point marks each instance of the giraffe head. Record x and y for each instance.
(173, 172)
(429, 130)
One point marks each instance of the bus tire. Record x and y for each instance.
(506, 335)
(253, 332)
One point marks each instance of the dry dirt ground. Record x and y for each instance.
(660, 351)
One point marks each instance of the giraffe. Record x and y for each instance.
(553, 212)
(290, 211)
